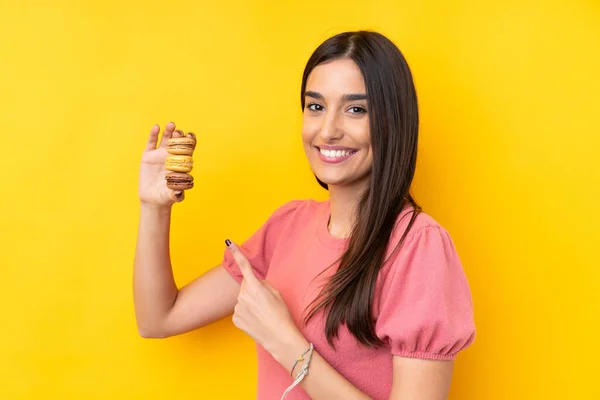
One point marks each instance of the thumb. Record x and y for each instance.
(271, 288)
(177, 195)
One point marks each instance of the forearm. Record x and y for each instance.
(323, 382)
(154, 287)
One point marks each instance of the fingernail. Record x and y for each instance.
(228, 242)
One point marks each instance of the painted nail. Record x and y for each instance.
(228, 242)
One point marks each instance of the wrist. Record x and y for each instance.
(162, 209)
(289, 349)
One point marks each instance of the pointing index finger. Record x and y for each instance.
(243, 263)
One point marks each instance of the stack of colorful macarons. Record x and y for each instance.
(180, 162)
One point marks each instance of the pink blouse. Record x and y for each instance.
(422, 302)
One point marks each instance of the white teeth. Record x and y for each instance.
(335, 153)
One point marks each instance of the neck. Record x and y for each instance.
(343, 202)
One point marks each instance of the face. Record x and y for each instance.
(335, 125)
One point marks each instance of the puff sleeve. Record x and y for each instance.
(425, 304)
(259, 247)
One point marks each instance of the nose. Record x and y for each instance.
(330, 128)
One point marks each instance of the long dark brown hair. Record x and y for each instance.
(394, 124)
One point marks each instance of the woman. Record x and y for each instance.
(362, 296)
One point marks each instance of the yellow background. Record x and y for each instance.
(509, 163)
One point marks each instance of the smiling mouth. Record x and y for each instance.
(335, 155)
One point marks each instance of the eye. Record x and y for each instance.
(357, 110)
(314, 107)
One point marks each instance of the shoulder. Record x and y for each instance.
(297, 210)
(296, 207)
(422, 222)
(422, 247)
(415, 225)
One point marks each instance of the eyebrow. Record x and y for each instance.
(346, 97)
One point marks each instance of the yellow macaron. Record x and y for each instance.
(179, 163)
(181, 146)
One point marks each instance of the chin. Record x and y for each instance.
(336, 180)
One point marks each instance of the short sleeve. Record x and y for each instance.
(425, 304)
(259, 247)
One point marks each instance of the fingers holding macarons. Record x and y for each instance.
(167, 134)
(180, 163)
